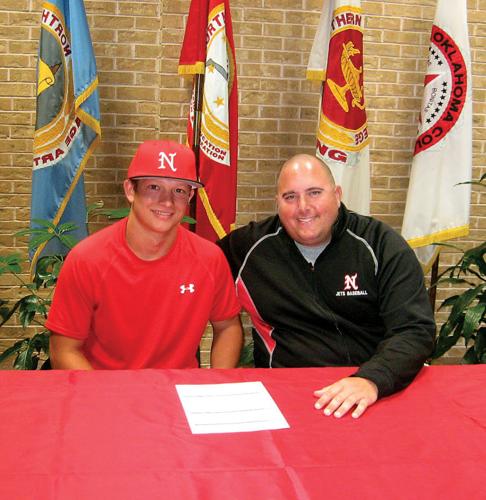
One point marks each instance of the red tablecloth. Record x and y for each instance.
(123, 435)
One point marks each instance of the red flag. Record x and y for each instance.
(208, 49)
(342, 136)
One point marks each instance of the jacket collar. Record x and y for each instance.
(341, 222)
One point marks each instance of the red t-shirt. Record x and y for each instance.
(134, 313)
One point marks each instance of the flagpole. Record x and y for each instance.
(433, 282)
(196, 135)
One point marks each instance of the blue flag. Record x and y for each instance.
(68, 119)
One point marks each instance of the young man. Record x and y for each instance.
(139, 293)
(328, 287)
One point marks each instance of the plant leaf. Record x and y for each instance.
(12, 349)
(449, 302)
(47, 224)
(480, 182)
(38, 240)
(24, 360)
(9, 313)
(41, 341)
(44, 230)
(246, 356)
(454, 281)
(448, 336)
(47, 270)
(113, 213)
(93, 207)
(448, 245)
(474, 257)
(470, 357)
(10, 263)
(29, 306)
(67, 240)
(463, 301)
(66, 227)
(188, 220)
(443, 344)
(4, 311)
(472, 319)
(480, 345)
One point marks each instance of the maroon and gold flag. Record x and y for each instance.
(208, 49)
(342, 134)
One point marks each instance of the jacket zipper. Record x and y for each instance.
(348, 356)
(343, 338)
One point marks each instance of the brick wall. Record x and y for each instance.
(137, 45)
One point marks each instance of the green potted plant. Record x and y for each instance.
(32, 308)
(467, 315)
(466, 319)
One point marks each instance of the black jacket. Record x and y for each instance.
(362, 304)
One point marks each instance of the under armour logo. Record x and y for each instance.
(350, 282)
(189, 288)
(167, 160)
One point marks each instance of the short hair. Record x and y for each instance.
(134, 184)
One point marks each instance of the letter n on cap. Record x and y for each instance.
(167, 160)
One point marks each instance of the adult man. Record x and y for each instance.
(139, 293)
(328, 287)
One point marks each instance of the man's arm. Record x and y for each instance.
(227, 343)
(407, 343)
(409, 324)
(66, 353)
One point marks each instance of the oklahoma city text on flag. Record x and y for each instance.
(67, 123)
(437, 207)
(208, 49)
(342, 137)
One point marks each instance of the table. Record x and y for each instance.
(123, 435)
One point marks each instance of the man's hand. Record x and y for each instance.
(340, 397)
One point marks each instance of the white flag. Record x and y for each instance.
(342, 138)
(437, 207)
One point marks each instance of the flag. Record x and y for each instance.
(342, 137)
(437, 208)
(208, 49)
(67, 124)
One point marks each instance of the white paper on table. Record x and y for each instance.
(236, 407)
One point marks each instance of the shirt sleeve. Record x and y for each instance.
(72, 306)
